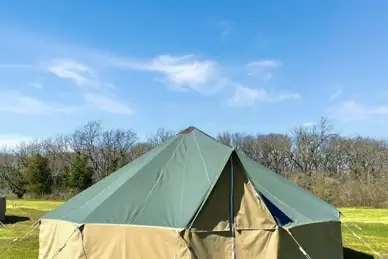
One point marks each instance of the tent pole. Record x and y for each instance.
(231, 220)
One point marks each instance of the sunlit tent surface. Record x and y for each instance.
(2, 207)
(192, 197)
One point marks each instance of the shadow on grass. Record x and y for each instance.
(353, 254)
(9, 220)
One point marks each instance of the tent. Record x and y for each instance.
(192, 197)
(3, 207)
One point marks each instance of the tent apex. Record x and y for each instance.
(188, 130)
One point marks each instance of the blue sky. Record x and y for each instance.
(249, 66)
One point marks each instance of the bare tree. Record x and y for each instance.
(309, 142)
(160, 136)
(106, 150)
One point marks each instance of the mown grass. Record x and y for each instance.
(374, 222)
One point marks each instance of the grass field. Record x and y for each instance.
(20, 217)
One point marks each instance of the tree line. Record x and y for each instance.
(346, 171)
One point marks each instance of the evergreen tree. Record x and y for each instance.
(80, 173)
(38, 175)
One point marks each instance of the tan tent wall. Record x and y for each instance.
(108, 241)
(3, 208)
(319, 240)
(59, 238)
(120, 242)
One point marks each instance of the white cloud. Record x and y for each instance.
(16, 102)
(69, 69)
(181, 72)
(351, 110)
(245, 96)
(104, 103)
(262, 67)
(336, 94)
(82, 75)
(13, 140)
(96, 92)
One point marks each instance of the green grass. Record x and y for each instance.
(373, 224)
(373, 221)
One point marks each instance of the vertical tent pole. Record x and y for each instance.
(231, 220)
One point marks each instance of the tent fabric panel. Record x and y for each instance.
(129, 199)
(257, 244)
(55, 235)
(109, 241)
(3, 208)
(132, 242)
(209, 245)
(301, 206)
(250, 210)
(319, 240)
(280, 217)
(214, 214)
(78, 207)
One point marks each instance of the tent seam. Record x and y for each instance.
(111, 224)
(203, 160)
(183, 180)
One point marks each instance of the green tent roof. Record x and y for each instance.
(166, 187)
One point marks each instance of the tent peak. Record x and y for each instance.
(188, 130)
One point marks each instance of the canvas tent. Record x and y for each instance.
(3, 207)
(192, 197)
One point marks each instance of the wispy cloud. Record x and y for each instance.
(245, 96)
(104, 103)
(352, 110)
(82, 75)
(181, 72)
(36, 85)
(262, 67)
(336, 93)
(18, 103)
(225, 27)
(264, 63)
(70, 69)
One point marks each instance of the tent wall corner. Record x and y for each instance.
(3, 207)
(320, 240)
